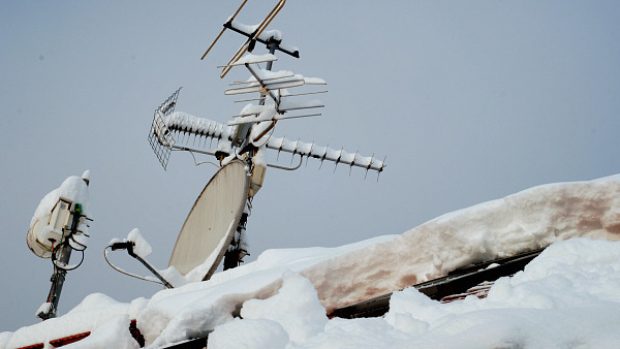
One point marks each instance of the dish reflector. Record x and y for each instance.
(212, 221)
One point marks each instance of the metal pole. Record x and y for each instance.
(58, 278)
(271, 46)
(234, 255)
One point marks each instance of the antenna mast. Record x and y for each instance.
(58, 228)
(248, 135)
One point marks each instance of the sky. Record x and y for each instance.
(469, 101)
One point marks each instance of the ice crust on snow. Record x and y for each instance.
(568, 296)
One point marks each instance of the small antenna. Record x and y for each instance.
(57, 231)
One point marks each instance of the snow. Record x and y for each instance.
(294, 105)
(567, 297)
(528, 220)
(273, 80)
(141, 247)
(249, 334)
(273, 322)
(325, 153)
(44, 308)
(225, 147)
(280, 309)
(268, 75)
(259, 133)
(112, 333)
(73, 189)
(95, 311)
(273, 33)
(314, 81)
(254, 113)
(193, 310)
(86, 176)
(50, 216)
(253, 109)
(248, 28)
(187, 122)
(250, 58)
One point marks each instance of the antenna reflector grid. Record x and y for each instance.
(160, 137)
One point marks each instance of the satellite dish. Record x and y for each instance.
(213, 220)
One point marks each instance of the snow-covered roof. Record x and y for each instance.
(569, 294)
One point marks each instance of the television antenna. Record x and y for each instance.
(58, 228)
(241, 143)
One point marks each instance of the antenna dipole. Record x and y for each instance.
(252, 36)
(204, 55)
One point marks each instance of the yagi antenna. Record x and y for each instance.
(253, 34)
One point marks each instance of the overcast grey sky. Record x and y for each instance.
(470, 101)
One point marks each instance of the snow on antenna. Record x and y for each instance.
(254, 34)
(59, 227)
(248, 135)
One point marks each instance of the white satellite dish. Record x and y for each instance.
(210, 225)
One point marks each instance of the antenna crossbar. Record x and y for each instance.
(253, 34)
(263, 39)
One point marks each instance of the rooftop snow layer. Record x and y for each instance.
(554, 289)
(524, 221)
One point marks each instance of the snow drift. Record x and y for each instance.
(524, 221)
(568, 297)
(341, 276)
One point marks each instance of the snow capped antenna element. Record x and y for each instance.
(254, 33)
(253, 127)
(178, 131)
(310, 150)
(137, 247)
(59, 227)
